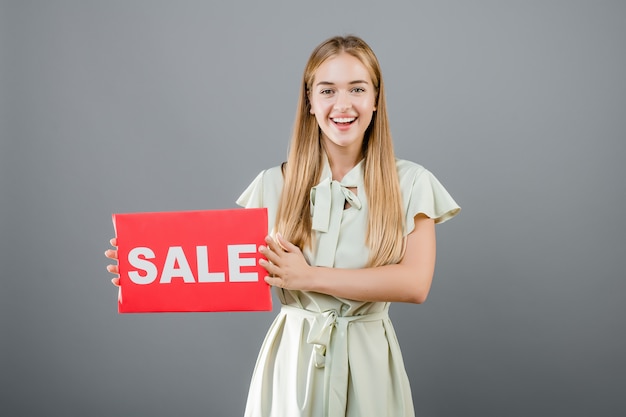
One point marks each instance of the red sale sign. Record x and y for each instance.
(192, 261)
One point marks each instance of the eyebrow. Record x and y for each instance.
(350, 83)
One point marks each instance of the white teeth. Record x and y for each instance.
(343, 119)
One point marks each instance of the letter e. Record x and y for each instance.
(235, 262)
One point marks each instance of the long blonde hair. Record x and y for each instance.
(384, 236)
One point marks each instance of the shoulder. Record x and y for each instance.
(264, 190)
(408, 170)
(276, 171)
(269, 176)
(272, 177)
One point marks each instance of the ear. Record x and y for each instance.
(308, 98)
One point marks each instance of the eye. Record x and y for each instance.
(326, 91)
(358, 90)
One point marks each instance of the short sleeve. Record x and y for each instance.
(264, 191)
(252, 197)
(423, 193)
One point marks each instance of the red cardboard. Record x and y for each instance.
(192, 261)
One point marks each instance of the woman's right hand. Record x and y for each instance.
(113, 268)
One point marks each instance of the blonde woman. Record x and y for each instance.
(352, 230)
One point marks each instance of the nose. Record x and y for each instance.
(343, 102)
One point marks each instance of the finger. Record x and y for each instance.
(113, 241)
(111, 254)
(285, 244)
(113, 269)
(269, 267)
(274, 281)
(269, 254)
(273, 244)
(116, 281)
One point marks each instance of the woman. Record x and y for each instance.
(351, 230)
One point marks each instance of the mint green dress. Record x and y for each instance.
(327, 356)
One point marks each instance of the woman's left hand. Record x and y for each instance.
(287, 267)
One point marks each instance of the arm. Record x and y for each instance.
(407, 281)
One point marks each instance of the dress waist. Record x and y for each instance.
(315, 315)
(324, 325)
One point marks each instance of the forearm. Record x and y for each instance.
(407, 281)
(397, 282)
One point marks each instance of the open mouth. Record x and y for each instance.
(343, 121)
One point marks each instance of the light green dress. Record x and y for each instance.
(329, 356)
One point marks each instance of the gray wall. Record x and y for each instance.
(519, 108)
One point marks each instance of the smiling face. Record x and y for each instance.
(343, 100)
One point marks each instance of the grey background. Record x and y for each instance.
(518, 107)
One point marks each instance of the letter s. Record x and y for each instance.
(150, 270)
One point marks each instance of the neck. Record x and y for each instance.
(342, 160)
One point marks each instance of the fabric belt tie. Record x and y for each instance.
(332, 356)
(327, 204)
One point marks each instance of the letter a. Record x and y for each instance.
(176, 255)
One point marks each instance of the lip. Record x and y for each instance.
(342, 126)
(343, 116)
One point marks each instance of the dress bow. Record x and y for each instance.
(319, 335)
(328, 199)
